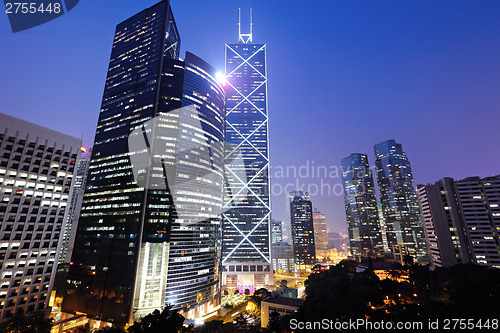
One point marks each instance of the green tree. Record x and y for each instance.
(274, 324)
(241, 322)
(167, 321)
(20, 323)
(259, 295)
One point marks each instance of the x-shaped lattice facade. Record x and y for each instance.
(246, 232)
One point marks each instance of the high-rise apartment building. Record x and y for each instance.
(37, 166)
(246, 242)
(480, 206)
(276, 231)
(404, 229)
(149, 228)
(461, 220)
(365, 237)
(301, 216)
(74, 207)
(320, 229)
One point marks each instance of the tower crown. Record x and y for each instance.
(244, 38)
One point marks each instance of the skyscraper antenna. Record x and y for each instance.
(251, 23)
(245, 38)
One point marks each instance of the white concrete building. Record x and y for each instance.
(36, 173)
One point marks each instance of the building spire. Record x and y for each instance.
(245, 38)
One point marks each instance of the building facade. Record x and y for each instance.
(37, 166)
(382, 228)
(480, 206)
(404, 229)
(74, 207)
(246, 260)
(301, 216)
(149, 228)
(276, 231)
(461, 220)
(282, 305)
(283, 257)
(365, 237)
(320, 229)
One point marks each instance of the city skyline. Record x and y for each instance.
(436, 67)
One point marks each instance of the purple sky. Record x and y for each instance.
(343, 76)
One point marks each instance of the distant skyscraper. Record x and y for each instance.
(462, 219)
(320, 229)
(399, 202)
(246, 242)
(277, 231)
(74, 207)
(283, 257)
(146, 239)
(365, 237)
(36, 171)
(301, 216)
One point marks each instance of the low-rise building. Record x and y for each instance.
(281, 305)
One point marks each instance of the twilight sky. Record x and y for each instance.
(343, 76)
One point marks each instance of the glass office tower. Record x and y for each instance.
(246, 220)
(365, 238)
(149, 232)
(404, 229)
(302, 225)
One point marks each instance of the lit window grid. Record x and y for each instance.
(32, 211)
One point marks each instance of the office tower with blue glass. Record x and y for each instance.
(149, 230)
(246, 257)
(365, 238)
(404, 228)
(302, 225)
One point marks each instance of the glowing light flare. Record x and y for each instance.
(83, 149)
(221, 77)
